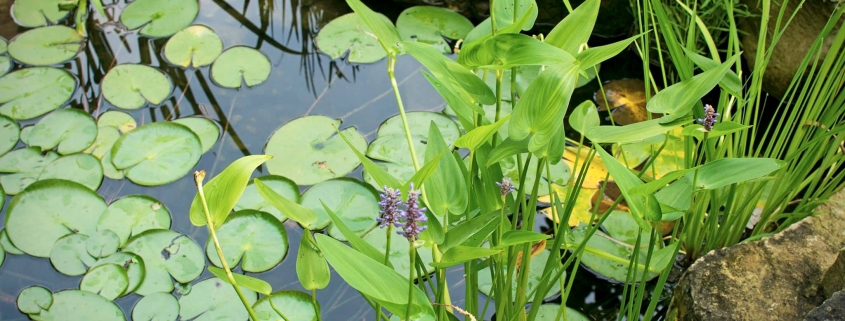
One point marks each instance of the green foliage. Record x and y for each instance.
(224, 190)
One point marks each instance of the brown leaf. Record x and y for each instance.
(611, 194)
(536, 249)
(626, 100)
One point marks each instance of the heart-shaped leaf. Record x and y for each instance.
(194, 46)
(46, 45)
(81, 168)
(294, 305)
(160, 18)
(34, 299)
(156, 306)
(206, 129)
(37, 13)
(354, 202)
(107, 280)
(239, 65)
(252, 200)
(67, 305)
(131, 86)
(71, 130)
(350, 33)
(212, 299)
(430, 25)
(70, 256)
(32, 92)
(132, 215)
(165, 254)
(256, 239)
(157, 153)
(131, 263)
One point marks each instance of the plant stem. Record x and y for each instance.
(317, 305)
(198, 178)
(413, 253)
(389, 232)
(391, 64)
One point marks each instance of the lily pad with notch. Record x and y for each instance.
(81, 305)
(251, 200)
(81, 168)
(354, 202)
(131, 86)
(131, 263)
(34, 300)
(10, 132)
(22, 168)
(166, 254)
(256, 239)
(102, 244)
(37, 13)
(108, 280)
(117, 119)
(159, 18)
(350, 33)
(213, 299)
(46, 45)
(156, 306)
(240, 65)
(70, 256)
(157, 153)
(132, 215)
(206, 129)
(308, 150)
(430, 25)
(194, 46)
(69, 130)
(399, 246)
(295, 304)
(32, 92)
(101, 149)
(5, 61)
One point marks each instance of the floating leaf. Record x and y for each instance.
(535, 273)
(252, 200)
(222, 192)
(131, 263)
(611, 258)
(81, 305)
(160, 18)
(132, 215)
(212, 299)
(34, 299)
(101, 149)
(156, 307)
(37, 13)
(46, 45)
(72, 130)
(582, 210)
(10, 131)
(239, 65)
(5, 64)
(206, 129)
(256, 238)
(348, 32)
(549, 312)
(308, 150)
(194, 46)
(81, 168)
(255, 284)
(430, 25)
(32, 92)
(117, 119)
(22, 168)
(294, 304)
(7, 244)
(157, 153)
(69, 255)
(2, 255)
(354, 202)
(107, 280)
(35, 220)
(399, 256)
(131, 86)
(165, 254)
(102, 244)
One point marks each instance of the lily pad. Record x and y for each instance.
(102, 244)
(296, 306)
(7, 244)
(37, 13)
(251, 200)
(548, 312)
(71, 130)
(160, 18)
(402, 172)
(5, 65)
(2, 255)
(391, 145)
(132, 215)
(308, 150)
(354, 202)
(165, 254)
(22, 168)
(49, 210)
(81, 168)
(10, 131)
(399, 257)
(81, 305)
(213, 299)
(69, 255)
(206, 130)
(34, 299)
(535, 273)
(101, 149)
(131, 263)
(117, 119)
(107, 280)
(238, 65)
(256, 238)
(349, 33)
(156, 307)
(430, 25)
(46, 45)
(194, 46)
(609, 257)
(157, 153)
(32, 92)
(131, 86)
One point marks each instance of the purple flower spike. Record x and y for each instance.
(412, 216)
(391, 201)
(506, 186)
(709, 119)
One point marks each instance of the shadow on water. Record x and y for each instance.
(302, 82)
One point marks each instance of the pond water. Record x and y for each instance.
(302, 82)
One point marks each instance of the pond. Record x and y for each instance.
(302, 81)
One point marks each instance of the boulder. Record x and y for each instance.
(834, 278)
(774, 278)
(832, 309)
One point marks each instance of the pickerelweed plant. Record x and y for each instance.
(722, 186)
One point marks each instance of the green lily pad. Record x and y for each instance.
(32, 92)
(72, 130)
(349, 33)
(354, 202)
(131, 86)
(402, 172)
(391, 145)
(48, 210)
(238, 65)
(131, 263)
(101, 149)
(7, 244)
(117, 119)
(206, 129)
(165, 254)
(156, 307)
(2, 255)
(213, 299)
(251, 200)
(157, 153)
(560, 174)
(10, 131)
(81, 168)
(296, 306)
(160, 18)
(609, 257)
(256, 238)
(102, 244)
(4, 45)
(5, 64)
(81, 305)
(132, 215)
(22, 168)
(430, 25)
(34, 299)
(308, 150)
(107, 280)
(535, 273)
(399, 257)
(37, 13)
(69, 255)
(46, 45)
(548, 312)
(194, 46)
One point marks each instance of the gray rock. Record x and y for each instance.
(775, 278)
(834, 278)
(832, 310)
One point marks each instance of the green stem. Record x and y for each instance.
(413, 253)
(386, 260)
(81, 17)
(317, 305)
(391, 64)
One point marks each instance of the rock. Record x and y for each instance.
(831, 310)
(775, 278)
(834, 278)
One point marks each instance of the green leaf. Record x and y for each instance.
(516, 237)
(460, 254)
(252, 200)
(98, 5)
(677, 100)
(507, 148)
(107, 280)
(224, 190)
(424, 173)
(72, 130)
(730, 82)
(719, 129)
(540, 110)
(480, 135)
(356, 241)
(375, 171)
(159, 18)
(69, 255)
(630, 133)
(131, 263)
(301, 214)
(626, 180)
(157, 154)
(593, 56)
(560, 174)
(510, 50)
(210, 300)
(383, 29)
(81, 168)
(655, 185)
(584, 117)
(471, 233)
(117, 119)
(131, 86)
(22, 168)
(349, 33)
(549, 312)
(133, 214)
(240, 65)
(446, 190)
(429, 25)
(256, 239)
(311, 268)
(46, 45)
(575, 28)
(506, 14)
(294, 305)
(206, 129)
(34, 300)
(7, 244)
(10, 131)
(255, 284)
(194, 46)
(101, 149)
(399, 256)
(166, 254)
(455, 77)
(102, 244)
(66, 306)
(37, 13)
(461, 108)
(535, 274)
(156, 306)
(727, 171)
(354, 202)
(32, 92)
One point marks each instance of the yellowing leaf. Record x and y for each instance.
(596, 171)
(626, 99)
(580, 213)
